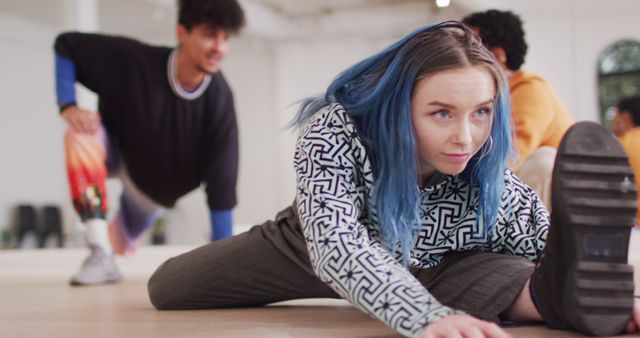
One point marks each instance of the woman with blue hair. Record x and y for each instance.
(405, 208)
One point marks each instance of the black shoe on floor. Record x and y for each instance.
(582, 280)
(25, 223)
(50, 226)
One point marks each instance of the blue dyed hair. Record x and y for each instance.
(376, 93)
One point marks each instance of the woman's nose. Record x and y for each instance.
(462, 133)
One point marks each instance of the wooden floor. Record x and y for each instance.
(36, 301)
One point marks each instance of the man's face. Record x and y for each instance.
(622, 122)
(204, 46)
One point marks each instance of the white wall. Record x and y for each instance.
(305, 68)
(269, 68)
(31, 153)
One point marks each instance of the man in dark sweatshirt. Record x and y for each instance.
(165, 124)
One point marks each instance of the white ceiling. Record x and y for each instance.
(288, 19)
(307, 8)
(283, 19)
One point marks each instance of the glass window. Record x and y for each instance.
(618, 76)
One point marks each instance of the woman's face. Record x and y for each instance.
(451, 114)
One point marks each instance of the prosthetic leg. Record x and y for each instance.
(85, 159)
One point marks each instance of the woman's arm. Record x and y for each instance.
(331, 167)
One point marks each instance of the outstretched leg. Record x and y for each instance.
(268, 263)
(582, 280)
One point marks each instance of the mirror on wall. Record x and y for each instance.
(618, 76)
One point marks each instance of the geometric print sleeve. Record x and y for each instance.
(332, 173)
(527, 219)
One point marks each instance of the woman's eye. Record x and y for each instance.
(442, 114)
(483, 112)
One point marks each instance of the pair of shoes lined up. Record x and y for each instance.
(44, 225)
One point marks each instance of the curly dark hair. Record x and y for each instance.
(501, 29)
(631, 104)
(226, 14)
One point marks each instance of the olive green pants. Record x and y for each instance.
(270, 263)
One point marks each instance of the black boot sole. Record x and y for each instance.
(594, 204)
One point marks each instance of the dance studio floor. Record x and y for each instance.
(36, 301)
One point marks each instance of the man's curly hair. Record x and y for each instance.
(501, 29)
(225, 14)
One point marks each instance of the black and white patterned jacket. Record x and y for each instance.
(335, 178)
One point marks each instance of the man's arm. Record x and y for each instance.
(79, 120)
(93, 60)
(65, 81)
(221, 170)
(533, 112)
(96, 61)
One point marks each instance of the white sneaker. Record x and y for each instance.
(97, 268)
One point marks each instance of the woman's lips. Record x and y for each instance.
(456, 158)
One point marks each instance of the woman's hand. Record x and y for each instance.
(463, 326)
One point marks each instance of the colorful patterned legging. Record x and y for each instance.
(90, 159)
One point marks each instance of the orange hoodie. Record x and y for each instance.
(540, 118)
(631, 142)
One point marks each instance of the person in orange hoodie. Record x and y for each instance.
(626, 125)
(539, 116)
